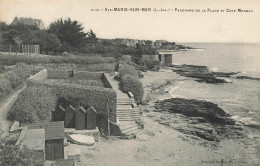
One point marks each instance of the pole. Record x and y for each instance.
(108, 125)
(10, 48)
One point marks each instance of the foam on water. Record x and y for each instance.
(214, 69)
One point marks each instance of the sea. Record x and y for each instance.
(241, 97)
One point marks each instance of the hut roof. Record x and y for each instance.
(53, 130)
(91, 108)
(62, 108)
(82, 109)
(71, 107)
(34, 139)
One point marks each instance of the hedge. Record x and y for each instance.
(59, 74)
(127, 70)
(44, 59)
(34, 104)
(86, 95)
(87, 75)
(132, 84)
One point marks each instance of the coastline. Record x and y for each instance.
(242, 150)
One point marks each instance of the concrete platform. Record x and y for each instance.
(95, 133)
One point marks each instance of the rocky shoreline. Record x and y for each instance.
(201, 73)
(199, 119)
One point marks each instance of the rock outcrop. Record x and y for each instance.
(195, 108)
(199, 119)
(202, 73)
(248, 78)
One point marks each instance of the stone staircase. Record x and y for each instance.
(129, 128)
(127, 110)
(127, 113)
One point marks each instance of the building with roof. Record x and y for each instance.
(33, 139)
(52, 143)
(29, 21)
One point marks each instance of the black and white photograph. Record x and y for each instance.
(129, 83)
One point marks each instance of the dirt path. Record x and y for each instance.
(4, 108)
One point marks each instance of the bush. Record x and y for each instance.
(33, 104)
(22, 70)
(65, 54)
(14, 79)
(2, 69)
(16, 76)
(127, 59)
(150, 63)
(132, 84)
(5, 88)
(127, 70)
(13, 155)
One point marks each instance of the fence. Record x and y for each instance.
(23, 48)
(30, 48)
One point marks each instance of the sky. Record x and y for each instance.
(218, 26)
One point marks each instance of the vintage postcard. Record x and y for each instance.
(128, 83)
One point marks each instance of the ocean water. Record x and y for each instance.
(241, 98)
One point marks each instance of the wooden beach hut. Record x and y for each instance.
(59, 114)
(80, 118)
(70, 117)
(91, 118)
(54, 138)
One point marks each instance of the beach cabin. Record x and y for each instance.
(54, 138)
(80, 118)
(91, 118)
(165, 58)
(59, 114)
(70, 113)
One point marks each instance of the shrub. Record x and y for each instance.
(22, 70)
(14, 79)
(127, 59)
(150, 63)
(16, 76)
(132, 84)
(39, 103)
(127, 70)
(2, 69)
(65, 54)
(5, 88)
(13, 155)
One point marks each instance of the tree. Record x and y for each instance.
(68, 31)
(91, 37)
(47, 41)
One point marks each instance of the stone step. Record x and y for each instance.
(123, 113)
(130, 130)
(126, 119)
(122, 107)
(125, 98)
(132, 109)
(124, 128)
(124, 103)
